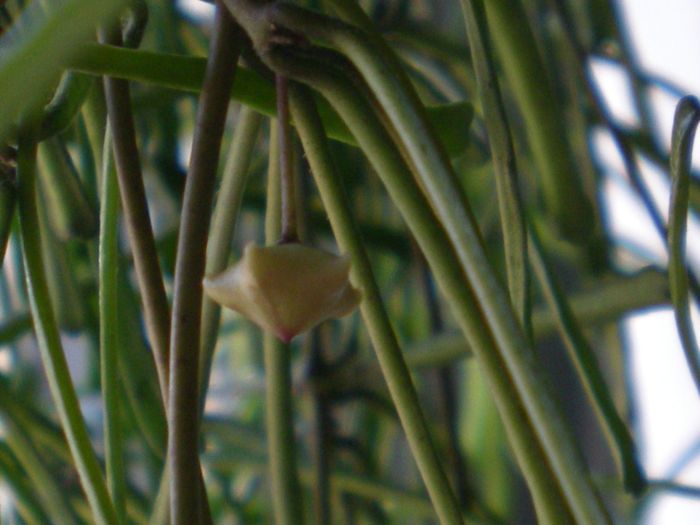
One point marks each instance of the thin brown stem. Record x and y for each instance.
(289, 208)
(187, 499)
(138, 222)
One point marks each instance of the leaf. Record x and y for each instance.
(186, 73)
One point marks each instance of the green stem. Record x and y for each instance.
(8, 199)
(223, 225)
(503, 155)
(279, 417)
(25, 495)
(109, 325)
(543, 117)
(68, 305)
(439, 181)
(320, 436)
(49, 341)
(65, 104)
(138, 222)
(289, 232)
(68, 206)
(589, 372)
(94, 115)
(279, 410)
(684, 127)
(48, 489)
(188, 500)
(372, 308)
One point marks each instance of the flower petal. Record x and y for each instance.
(286, 289)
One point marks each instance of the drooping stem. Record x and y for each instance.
(109, 323)
(279, 417)
(8, 198)
(590, 374)
(138, 222)
(19, 440)
(183, 402)
(223, 225)
(685, 126)
(439, 253)
(446, 197)
(374, 313)
(504, 162)
(289, 231)
(543, 118)
(49, 340)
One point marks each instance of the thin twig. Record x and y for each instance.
(289, 212)
(183, 402)
(53, 358)
(138, 222)
(685, 125)
(221, 232)
(109, 326)
(373, 312)
(504, 162)
(279, 418)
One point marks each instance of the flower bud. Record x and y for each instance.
(286, 289)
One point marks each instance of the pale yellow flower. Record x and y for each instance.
(286, 289)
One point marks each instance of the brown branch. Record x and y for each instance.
(183, 407)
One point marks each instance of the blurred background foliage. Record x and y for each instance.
(347, 431)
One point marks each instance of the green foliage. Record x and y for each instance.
(451, 166)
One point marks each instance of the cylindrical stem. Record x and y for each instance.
(279, 418)
(138, 222)
(187, 498)
(289, 209)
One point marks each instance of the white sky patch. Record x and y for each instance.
(197, 9)
(666, 38)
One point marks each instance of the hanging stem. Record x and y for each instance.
(432, 238)
(504, 162)
(289, 210)
(684, 128)
(188, 500)
(279, 417)
(138, 222)
(221, 232)
(591, 376)
(20, 441)
(374, 314)
(49, 340)
(109, 324)
(446, 196)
